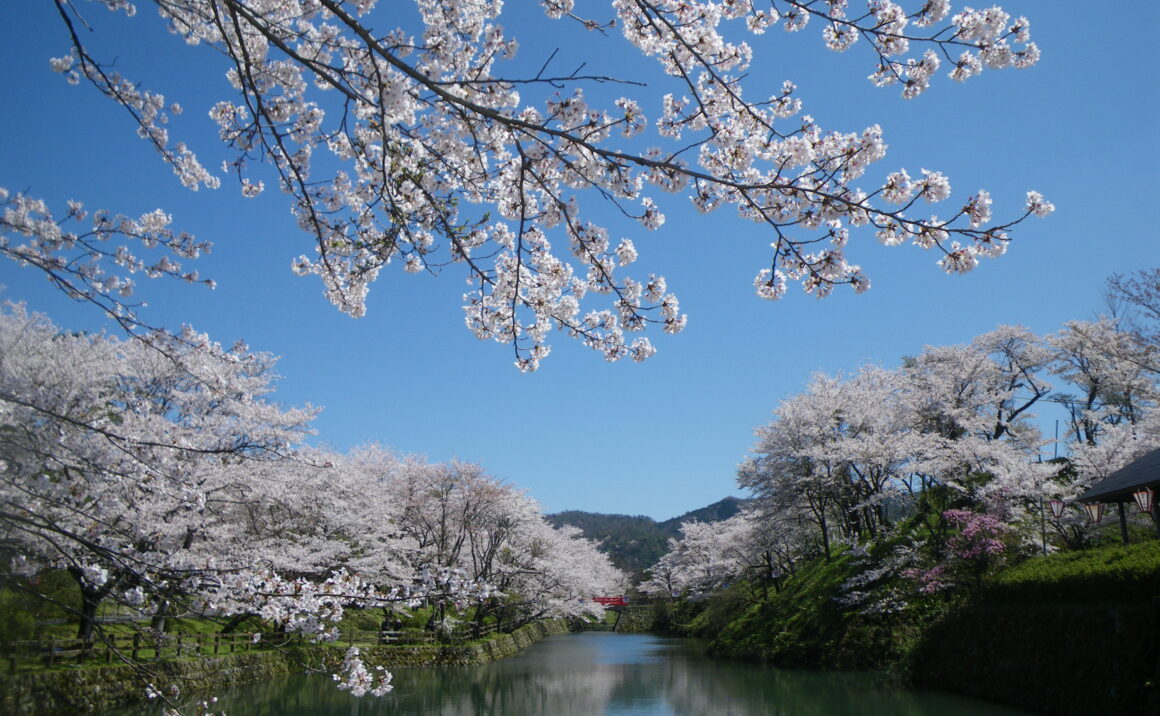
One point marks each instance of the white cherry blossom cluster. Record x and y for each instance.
(118, 452)
(148, 109)
(93, 257)
(958, 418)
(154, 472)
(430, 146)
(356, 678)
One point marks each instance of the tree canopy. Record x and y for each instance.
(424, 139)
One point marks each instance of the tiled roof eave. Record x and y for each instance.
(1119, 486)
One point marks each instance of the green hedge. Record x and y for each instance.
(1071, 633)
(1057, 659)
(1124, 573)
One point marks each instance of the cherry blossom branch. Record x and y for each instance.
(429, 127)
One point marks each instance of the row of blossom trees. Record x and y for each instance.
(951, 430)
(157, 472)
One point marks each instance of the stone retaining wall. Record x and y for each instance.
(96, 690)
(637, 618)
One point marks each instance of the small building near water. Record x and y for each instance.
(1134, 484)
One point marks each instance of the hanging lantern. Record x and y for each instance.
(1144, 499)
(1057, 508)
(1095, 510)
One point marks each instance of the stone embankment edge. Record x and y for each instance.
(97, 690)
(637, 618)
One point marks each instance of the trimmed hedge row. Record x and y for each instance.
(1121, 573)
(1055, 659)
(1072, 633)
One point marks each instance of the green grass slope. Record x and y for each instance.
(1073, 633)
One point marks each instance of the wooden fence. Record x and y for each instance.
(114, 648)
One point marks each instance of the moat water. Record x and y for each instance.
(598, 673)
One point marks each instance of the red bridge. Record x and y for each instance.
(611, 601)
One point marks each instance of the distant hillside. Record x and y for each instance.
(716, 512)
(635, 542)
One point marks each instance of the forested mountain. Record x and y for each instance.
(636, 542)
(720, 510)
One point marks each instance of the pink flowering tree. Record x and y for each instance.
(974, 550)
(432, 144)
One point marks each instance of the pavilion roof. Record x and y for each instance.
(1119, 486)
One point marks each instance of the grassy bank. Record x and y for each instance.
(99, 689)
(1073, 633)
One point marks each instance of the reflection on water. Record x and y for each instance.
(604, 673)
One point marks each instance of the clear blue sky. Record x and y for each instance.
(663, 437)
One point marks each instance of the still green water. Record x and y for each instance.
(605, 673)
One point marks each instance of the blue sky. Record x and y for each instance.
(663, 437)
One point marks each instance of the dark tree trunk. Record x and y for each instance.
(160, 617)
(825, 535)
(90, 601)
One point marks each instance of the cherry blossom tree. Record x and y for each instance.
(1112, 395)
(554, 572)
(321, 512)
(461, 518)
(756, 546)
(983, 388)
(841, 449)
(976, 444)
(778, 541)
(117, 457)
(701, 560)
(1139, 293)
(429, 144)
(156, 472)
(444, 508)
(791, 470)
(950, 429)
(1109, 369)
